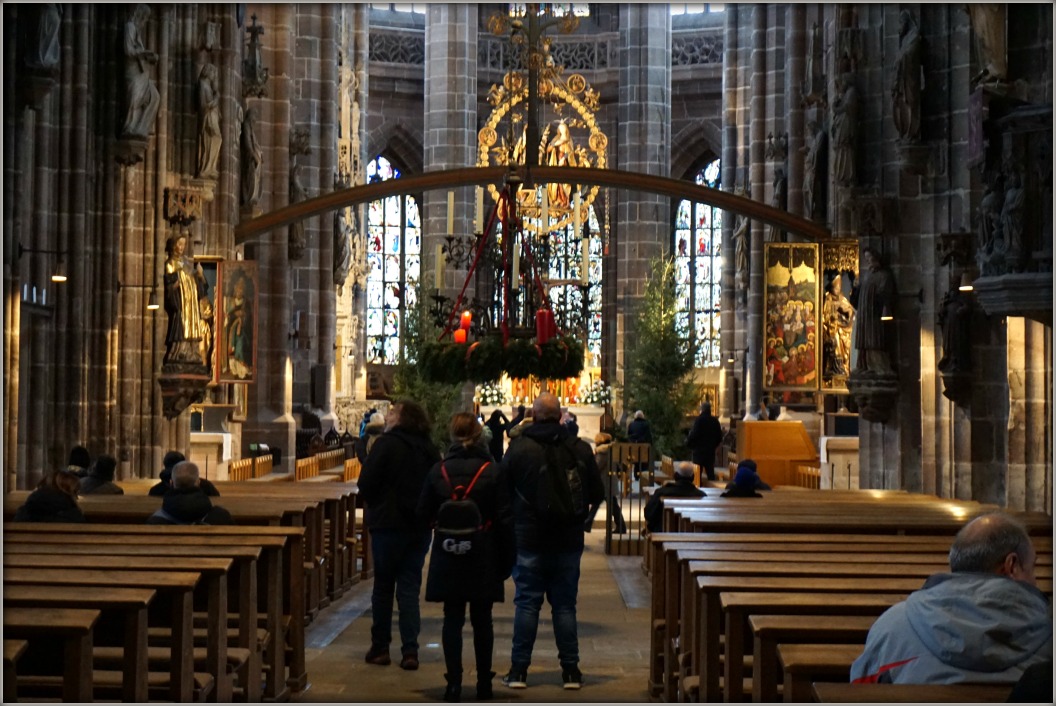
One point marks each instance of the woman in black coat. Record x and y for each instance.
(476, 578)
(54, 500)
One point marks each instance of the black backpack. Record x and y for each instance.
(458, 520)
(561, 498)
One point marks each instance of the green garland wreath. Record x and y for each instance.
(486, 360)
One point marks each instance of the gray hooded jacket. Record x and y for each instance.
(961, 627)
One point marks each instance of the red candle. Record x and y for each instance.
(460, 335)
(542, 325)
(467, 319)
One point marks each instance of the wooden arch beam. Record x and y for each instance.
(449, 178)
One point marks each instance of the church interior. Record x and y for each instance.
(237, 230)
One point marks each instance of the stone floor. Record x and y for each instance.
(613, 615)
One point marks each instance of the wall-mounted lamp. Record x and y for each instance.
(966, 282)
(59, 273)
(152, 300)
(886, 314)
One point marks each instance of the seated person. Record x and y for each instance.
(745, 482)
(54, 500)
(682, 486)
(984, 622)
(186, 503)
(164, 483)
(79, 462)
(100, 478)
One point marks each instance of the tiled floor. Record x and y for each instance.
(613, 615)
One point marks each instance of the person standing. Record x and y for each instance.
(497, 424)
(548, 553)
(474, 578)
(984, 622)
(391, 484)
(703, 438)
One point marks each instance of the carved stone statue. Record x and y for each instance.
(988, 25)
(740, 245)
(815, 173)
(845, 130)
(142, 95)
(342, 248)
(298, 145)
(875, 293)
(778, 200)
(815, 77)
(909, 76)
(43, 54)
(252, 158)
(1012, 219)
(955, 319)
(991, 243)
(209, 134)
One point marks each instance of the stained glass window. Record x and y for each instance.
(394, 265)
(698, 270)
(577, 308)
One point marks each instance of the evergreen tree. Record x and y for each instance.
(658, 378)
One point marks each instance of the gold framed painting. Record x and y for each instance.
(236, 307)
(839, 268)
(791, 294)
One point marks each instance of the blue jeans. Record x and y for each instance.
(399, 556)
(555, 576)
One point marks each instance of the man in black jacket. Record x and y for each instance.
(704, 438)
(164, 483)
(682, 487)
(186, 503)
(548, 553)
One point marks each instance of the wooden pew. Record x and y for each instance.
(72, 628)
(214, 571)
(739, 607)
(283, 589)
(130, 606)
(843, 692)
(769, 631)
(13, 651)
(175, 587)
(802, 664)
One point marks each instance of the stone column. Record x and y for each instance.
(1028, 483)
(730, 316)
(450, 129)
(757, 139)
(795, 54)
(643, 220)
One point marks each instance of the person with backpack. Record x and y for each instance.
(466, 500)
(186, 503)
(554, 485)
(391, 484)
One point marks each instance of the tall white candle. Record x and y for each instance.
(516, 254)
(479, 212)
(544, 212)
(585, 265)
(439, 266)
(576, 219)
(451, 212)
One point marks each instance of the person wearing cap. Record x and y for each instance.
(100, 478)
(79, 462)
(745, 482)
(681, 487)
(164, 483)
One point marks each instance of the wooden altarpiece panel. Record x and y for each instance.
(839, 262)
(790, 355)
(236, 340)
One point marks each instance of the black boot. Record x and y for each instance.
(484, 691)
(453, 693)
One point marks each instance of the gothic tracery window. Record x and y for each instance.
(698, 270)
(577, 307)
(394, 263)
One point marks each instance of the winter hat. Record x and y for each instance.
(746, 476)
(171, 459)
(79, 456)
(104, 468)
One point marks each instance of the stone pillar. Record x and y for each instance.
(269, 418)
(1028, 484)
(757, 140)
(450, 130)
(795, 53)
(643, 220)
(732, 314)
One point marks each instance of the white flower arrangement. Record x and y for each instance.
(598, 393)
(489, 394)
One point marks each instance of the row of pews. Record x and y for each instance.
(770, 599)
(115, 609)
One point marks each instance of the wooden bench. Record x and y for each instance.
(128, 604)
(13, 651)
(282, 588)
(840, 692)
(70, 628)
(802, 664)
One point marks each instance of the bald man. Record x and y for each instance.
(984, 622)
(548, 551)
(683, 486)
(186, 503)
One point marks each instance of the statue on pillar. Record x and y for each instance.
(252, 157)
(875, 296)
(909, 79)
(209, 135)
(188, 338)
(43, 54)
(816, 173)
(845, 130)
(142, 95)
(988, 26)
